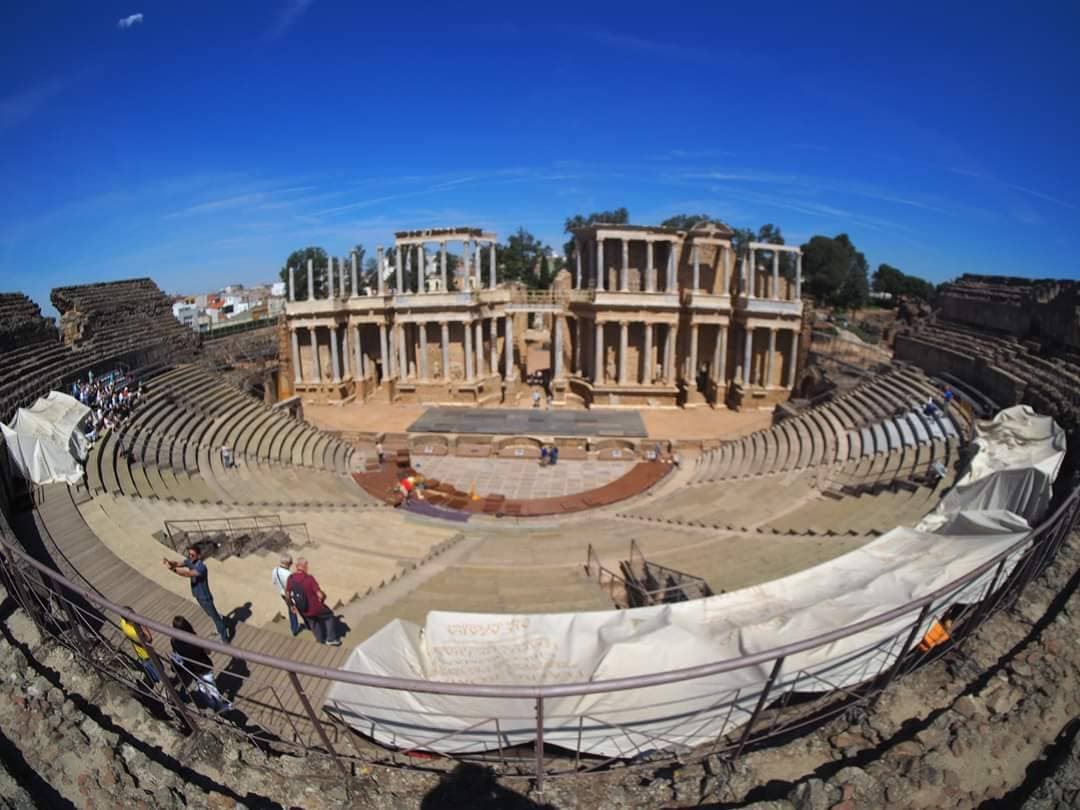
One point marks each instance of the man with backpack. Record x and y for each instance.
(310, 601)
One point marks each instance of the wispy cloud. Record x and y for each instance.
(129, 20)
(247, 199)
(21, 106)
(290, 12)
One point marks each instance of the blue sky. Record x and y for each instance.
(199, 143)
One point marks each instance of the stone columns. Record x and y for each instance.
(624, 349)
(491, 256)
(345, 358)
(724, 258)
(697, 267)
(793, 359)
(342, 276)
(335, 361)
(480, 349)
(669, 354)
(479, 271)
(599, 263)
(798, 276)
(509, 347)
(693, 354)
(358, 350)
(329, 277)
(383, 354)
(670, 274)
(444, 342)
(771, 362)
(744, 278)
(421, 269)
(748, 345)
(577, 260)
(493, 335)
(719, 363)
(379, 271)
(753, 273)
(579, 347)
(315, 364)
(648, 367)
(442, 266)
(557, 325)
(295, 353)
(310, 280)
(598, 354)
(466, 273)
(403, 350)
(292, 283)
(355, 276)
(397, 266)
(775, 275)
(650, 271)
(422, 327)
(467, 327)
(408, 267)
(624, 270)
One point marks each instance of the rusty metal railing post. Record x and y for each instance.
(758, 708)
(163, 676)
(16, 577)
(538, 746)
(318, 725)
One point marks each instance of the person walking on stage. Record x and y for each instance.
(195, 569)
(310, 600)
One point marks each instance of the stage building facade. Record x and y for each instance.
(643, 317)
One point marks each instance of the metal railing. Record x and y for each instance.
(776, 698)
(182, 533)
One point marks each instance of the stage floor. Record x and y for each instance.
(503, 421)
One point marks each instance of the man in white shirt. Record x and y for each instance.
(279, 578)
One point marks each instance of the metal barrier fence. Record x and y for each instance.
(773, 702)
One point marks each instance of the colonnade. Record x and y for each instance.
(470, 259)
(595, 270)
(772, 287)
(765, 374)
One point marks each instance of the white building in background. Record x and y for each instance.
(278, 289)
(186, 313)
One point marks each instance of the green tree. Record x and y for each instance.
(889, 279)
(685, 222)
(520, 259)
(298, 260)
(834, 272)
(620, 216)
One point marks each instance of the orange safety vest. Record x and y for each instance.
(935, 636)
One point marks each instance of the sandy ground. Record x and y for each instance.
(693, 423)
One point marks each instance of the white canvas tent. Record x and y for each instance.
(45, 442)
(1019, 457)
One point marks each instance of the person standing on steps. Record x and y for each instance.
(279, 578)
(195, 569)
(310, 600)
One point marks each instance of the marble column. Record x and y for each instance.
(444, 336)
(776, 274)
(697, 267)
(599, 264)
(624, 349)
(380, 289)
(669, 354)
(509, 347)
(310, 280)
(719, 369)
(493, 337)
(693, 354)
(579, 347)
(669, 274)
(650, 271)
(598, 355)
(493, 279)
(295, 356)
(422, 329)
(403, 351)
(360, 370)
(624, 270)
(479, 272)
(383, 354)
(770, 362)
(557, 325)
(470, 374)
(442, 266)
(292, 284)
(753, 273)
(648, 368)
(329, 277)
(355, 275)
(408, 266)
(335, 361)
(798, 276)
(341, 276)
(793, 358)
(479, 329)
(346, 357)
(397, 267)
(421, 269)
(748, 346)
(316, 365)
(466, 273)
(577, 264)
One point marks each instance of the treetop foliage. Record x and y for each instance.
(889, 279)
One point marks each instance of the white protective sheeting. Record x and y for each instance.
(527, 649)
(45, 442)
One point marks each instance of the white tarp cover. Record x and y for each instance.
(45, 442)
(503, 649)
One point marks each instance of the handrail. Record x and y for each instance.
(544, 691)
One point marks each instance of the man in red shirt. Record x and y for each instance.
(304, 592)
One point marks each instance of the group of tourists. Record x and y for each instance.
(111, 399)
